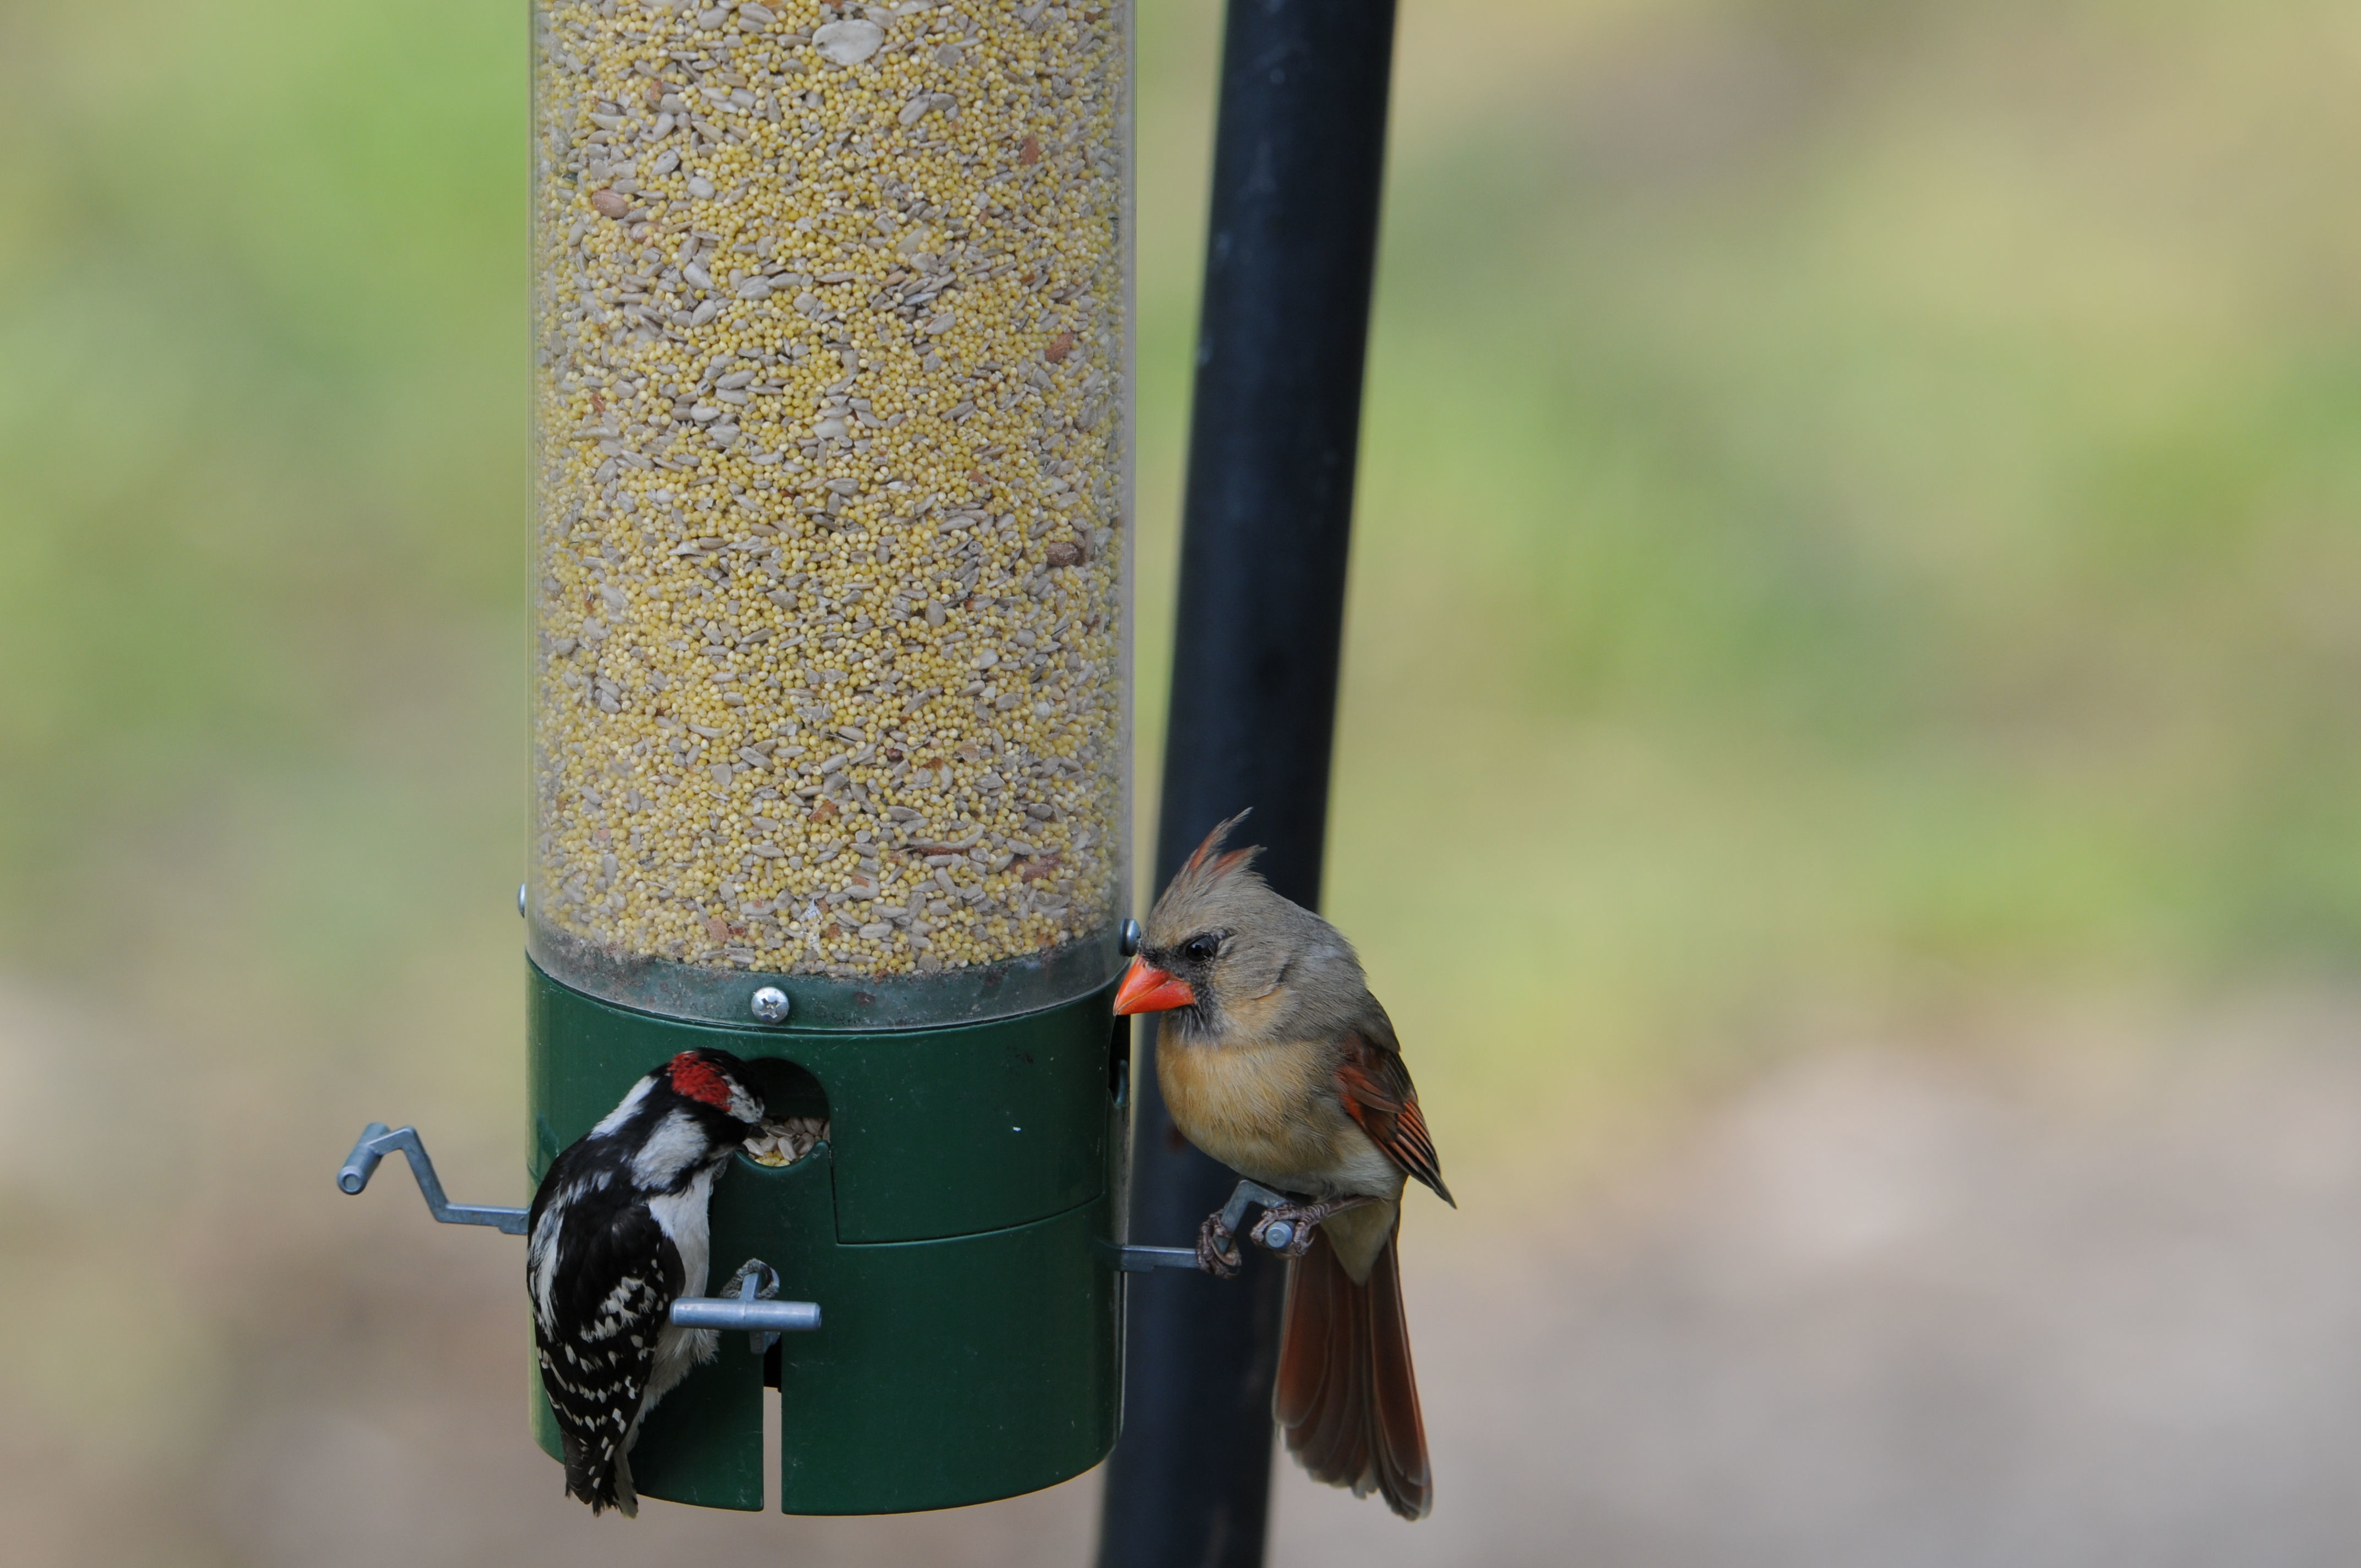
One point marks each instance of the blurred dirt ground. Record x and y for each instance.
(2032, 1299)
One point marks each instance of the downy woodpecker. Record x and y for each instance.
(617, 1232)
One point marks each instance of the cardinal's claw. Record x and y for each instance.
(1217, 1252)
(1300, 1223)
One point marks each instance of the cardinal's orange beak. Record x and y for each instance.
(1146, 989)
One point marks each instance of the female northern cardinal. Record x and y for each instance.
(1277, 1063)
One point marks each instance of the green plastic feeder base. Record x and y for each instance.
(971, 1332)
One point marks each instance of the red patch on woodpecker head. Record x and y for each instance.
(694, 1078)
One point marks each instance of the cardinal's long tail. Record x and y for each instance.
(1347, 1398)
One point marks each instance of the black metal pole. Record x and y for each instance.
(1299, 161)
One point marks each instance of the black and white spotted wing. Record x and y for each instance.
(603, 1284)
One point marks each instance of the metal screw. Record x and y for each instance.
(519, 901)
(1130, 938)
(1277, 1235)
(771, 1005)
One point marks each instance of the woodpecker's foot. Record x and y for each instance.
(1217, 1249)
(1286, 1228)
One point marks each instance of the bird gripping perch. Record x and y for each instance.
(740, 1309)
(1284, 1228)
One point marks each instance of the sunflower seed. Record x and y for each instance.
(849, 42)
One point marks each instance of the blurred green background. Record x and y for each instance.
(1857, 531)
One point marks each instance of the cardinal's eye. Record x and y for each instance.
(1201, 949)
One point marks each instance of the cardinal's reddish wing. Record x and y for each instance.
(1379, 1094)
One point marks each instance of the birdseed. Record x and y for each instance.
(788, 1140)
(833, 476)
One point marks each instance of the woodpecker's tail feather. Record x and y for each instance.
(627, 1494)
(603, 1487)
(1347, 1398)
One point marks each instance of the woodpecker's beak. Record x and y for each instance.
(1146, 989)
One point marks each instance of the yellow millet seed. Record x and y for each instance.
(833, 480)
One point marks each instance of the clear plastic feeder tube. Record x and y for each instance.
(831, 556)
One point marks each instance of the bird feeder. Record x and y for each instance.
(830, 696)
(830, 699)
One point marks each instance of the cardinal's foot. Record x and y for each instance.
(1217, 1250)
(1286, 1228)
